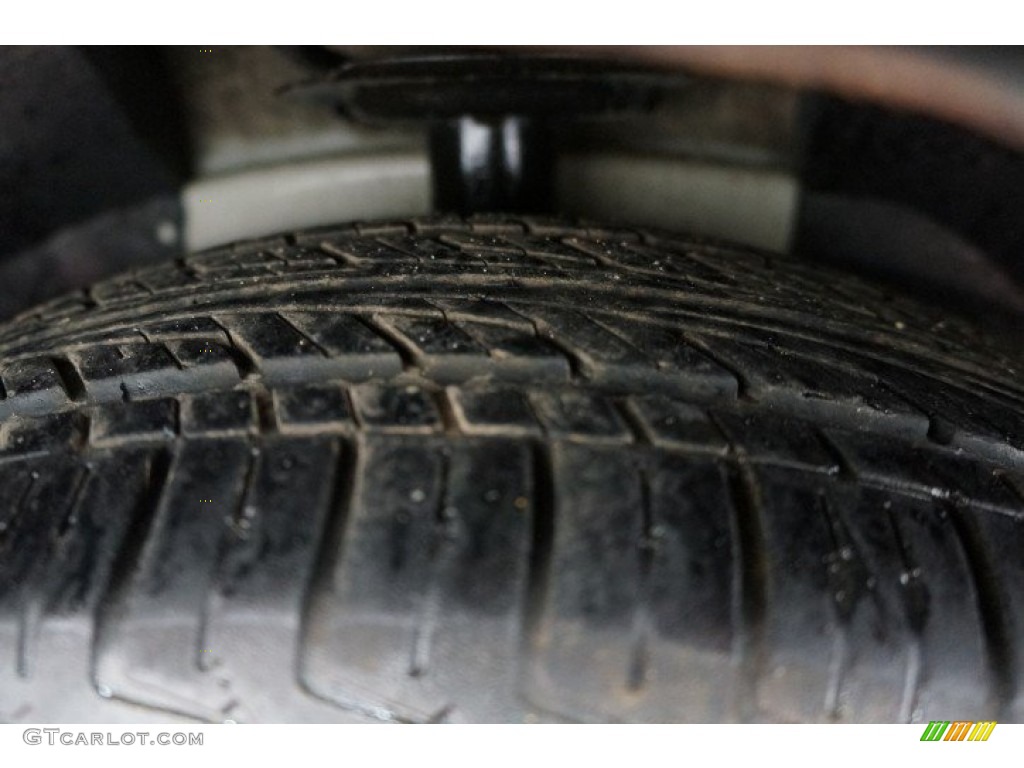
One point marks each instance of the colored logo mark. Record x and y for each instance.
(961, 730)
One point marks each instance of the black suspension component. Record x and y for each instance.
(493, 119)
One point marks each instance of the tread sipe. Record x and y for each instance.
(506, 470)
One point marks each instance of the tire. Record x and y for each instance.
(505, 470)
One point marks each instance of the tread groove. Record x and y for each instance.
(159, 471)
(70, 379)
(205, 663)
(305, 336)
(743, 385)
(7, 527)
(847, 471)
(265, 412)
(338, 254)
(577, 367)
(915, 596)
(1002, 663)
(844, 559)
(245, 363)
(638, 427)
(319, 586)
(70, 518)
(441, 550)
(538, 582)
(408, 353)
(750, 593)
(642, 625)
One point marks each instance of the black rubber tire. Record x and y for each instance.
(494, 470)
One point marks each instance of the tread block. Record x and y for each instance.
(295, 267)
(368, 251)
(357, 352)
(276, 535)
(267, 559)
(270, 340)
(166, 278)
(834, 644)
(364, 305)
(219, 413)
(518, 355)
(79, 522)
(635, 256)
(35, 498)
(962, 418)
(677, 425)
(1005, 441)
(655, 360)
(115, 361)
(383, 228)
(751, 260)
(105, 337)
(143, 420)
(428, 250)
(481, 245)
(552, 252)
(396, 409)
(1003, 540)
(117, 289)
(592, 344)
(230, 258)
(687, 368)
(808, 386)
(202, 328)
(493, 412)
(303, 256)
(495, 223)
(436, 338)
(212, 360)
(135, 371)
(765, 438)
(442, 351)
(434, 561)
(32, 386)
(15, 479)
(54, 432)
(935, 473)
(34, 519)
(647, 636)
(63, 306)
(513, 249)
(319, 407)
(483, 310)
(283, 354)
(577, 415)
(926, 584)
(151, 643)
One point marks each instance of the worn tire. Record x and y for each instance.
(495, 470)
